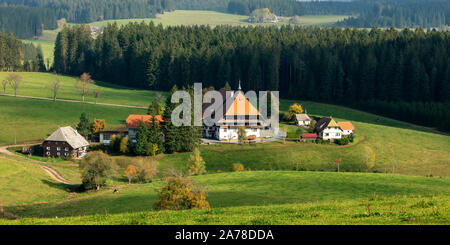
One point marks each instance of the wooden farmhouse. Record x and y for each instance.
(65, 142)
(239, 113)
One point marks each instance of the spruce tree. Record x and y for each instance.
(84, 127)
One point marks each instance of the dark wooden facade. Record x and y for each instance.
(61, 149)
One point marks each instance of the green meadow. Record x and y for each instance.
(267, 197)
(37, 84)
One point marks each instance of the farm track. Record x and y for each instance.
(50, 171)
(73, 101)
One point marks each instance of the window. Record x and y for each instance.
(58, 153)
(48, 153)
(67, 148)
(65, 154)
(48, 148)
(225, 130)
(327, 134)
(254, 130)
(58, 148)
(338, 134)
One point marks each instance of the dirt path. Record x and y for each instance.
(50, 171)
(74, 101)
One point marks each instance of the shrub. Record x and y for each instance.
(238, 167)
(180, 193)
(146, 169)
(343, 141)
(96, 168)
(196, 165)
(242, 135)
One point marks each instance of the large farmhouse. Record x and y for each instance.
(328, 129)
(65, 142)
(347, 128)
(239, 113)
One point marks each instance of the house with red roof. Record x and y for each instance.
(347, 127)
(133, 121)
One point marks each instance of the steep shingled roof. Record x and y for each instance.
(69, 135)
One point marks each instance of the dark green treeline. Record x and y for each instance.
(341, 66)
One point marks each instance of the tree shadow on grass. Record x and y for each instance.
(65, 187)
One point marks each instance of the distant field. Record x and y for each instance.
(195, 17)
(35, 84)
(286, 197)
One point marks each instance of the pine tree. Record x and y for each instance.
(142, 140)
(84, 127)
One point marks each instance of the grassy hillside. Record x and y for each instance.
(398, 147)
(22, 184)
(35, 119)
(36, 84)
(295, 197)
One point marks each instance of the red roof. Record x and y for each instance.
(309, 135)
(133, 121)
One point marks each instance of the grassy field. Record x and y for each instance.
(199, 17)
(36, 84)
(32, 120)
(48, 47)
(294, 197)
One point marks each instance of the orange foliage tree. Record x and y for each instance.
(131, 173)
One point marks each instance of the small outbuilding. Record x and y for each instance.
(308, 137)
(65, 142)
(302, 119)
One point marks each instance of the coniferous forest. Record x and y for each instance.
(26, 22)
(85, 11)
(17, 56)
(404, 74)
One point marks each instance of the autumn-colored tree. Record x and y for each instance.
(181, 193)
(196, 165)
(147, 169)
(84, 84)
(294, 109)
(338, 162)
(98, 125)
(14, 81)
(238, 167)
(242, 135)
(131, 173)
(124, 145)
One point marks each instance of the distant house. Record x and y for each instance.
(133, 122)
(327, 129)
(302, 119)
(65, 142)
(105, 135)
(308, 137)
(347, 127)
